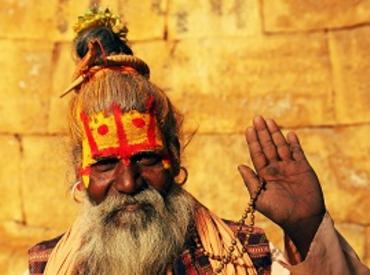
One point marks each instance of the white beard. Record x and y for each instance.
(137, 242)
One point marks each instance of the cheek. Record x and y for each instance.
(158, 177)
(99, 186)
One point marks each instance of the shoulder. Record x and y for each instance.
(38, 255)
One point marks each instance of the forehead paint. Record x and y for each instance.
(119, 135)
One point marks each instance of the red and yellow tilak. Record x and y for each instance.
(118, 135)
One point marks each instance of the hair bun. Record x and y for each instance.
(96, 17)
(102, 25)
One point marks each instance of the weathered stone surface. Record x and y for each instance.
(25, 85)
(13, 259)
(349, 53)
(10, 192)
(355, 236)
(290, 15)
(222, 84)
(54, 20)
(62, 78)
(15, 240)
(212, 161)
(213, 176)
(66, 13)
(158, 55)
(339, 156)
(213, 18)
(17, 21)
(145, 19)
(46, 176)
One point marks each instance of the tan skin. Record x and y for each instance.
(292, 196)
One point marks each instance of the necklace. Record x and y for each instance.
(234, 256)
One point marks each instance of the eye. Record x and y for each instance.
(146, 158)
(105, 164)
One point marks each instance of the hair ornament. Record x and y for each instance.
(89, 66)
(101, 17)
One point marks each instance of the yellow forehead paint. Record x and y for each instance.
(120, 135)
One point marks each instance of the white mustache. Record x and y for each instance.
(149, 200)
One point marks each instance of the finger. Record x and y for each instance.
(250, 179)
(255, 150)
(279, 140)
(265, 139)
(295, 146)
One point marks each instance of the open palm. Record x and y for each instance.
(292, 192)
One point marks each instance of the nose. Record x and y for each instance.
(127, 179)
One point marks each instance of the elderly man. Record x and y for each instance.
(136, 217)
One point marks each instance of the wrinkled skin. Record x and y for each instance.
(292, 196)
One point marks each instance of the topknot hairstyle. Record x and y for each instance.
(131, 91)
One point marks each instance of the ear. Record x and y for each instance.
(79, 184)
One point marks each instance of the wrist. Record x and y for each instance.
(303, 232)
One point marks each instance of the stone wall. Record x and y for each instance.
(304, 63)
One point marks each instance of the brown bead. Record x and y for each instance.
(231, 248)
(244, 249)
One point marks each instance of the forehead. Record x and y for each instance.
(119, 134)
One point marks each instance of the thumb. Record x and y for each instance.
(250, 179)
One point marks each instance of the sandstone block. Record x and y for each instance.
(145, 19)
(355, 236)
(213, 18)
(46, 176)
(220, 84)
(62, 78)
(290, 15)
(13, 260)
(212, 162)
(343, 173)
(10, 203)
(339, 157)
(349, 53)
(54, 20)
(27, 19)
(158, 55)
(66, 13)
(15, 241)
(25, 85)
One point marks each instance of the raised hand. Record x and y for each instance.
(292, 196)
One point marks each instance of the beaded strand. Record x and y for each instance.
(230, 257)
